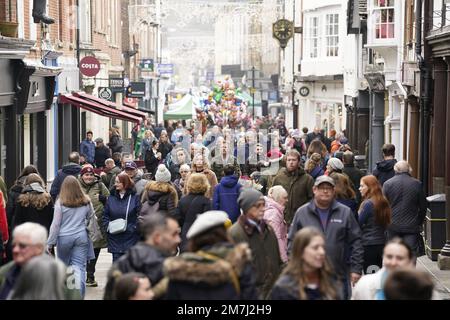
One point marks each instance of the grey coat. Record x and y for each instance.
(408, 203)
(342, 236)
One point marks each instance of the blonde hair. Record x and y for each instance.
(198, 183)
(276, 193)
(71, 194)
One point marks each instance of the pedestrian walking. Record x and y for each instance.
(274, 215)
(344, 192)
(342, 233)
(109, 172)
(160, 239)
(146, 145)
(115, 141)
(374, 219)
(352, 172)
(397, 254)
(34, 204)
(314, 167)
(161, 195)
(97, 192)
(213, 268)
(153, 158)
(87, 148)
(102, 153)
(201, 165)
(165, 147)
(179, 183)
(226, 193)
(409, 206)
(308, 275)
(123, 203)
(68, 231)
(384, 169)
(251, 228)
(193, 204)
(73, 168)
(296, 182)
(179, 160)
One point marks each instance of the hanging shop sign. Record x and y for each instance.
(89, 66)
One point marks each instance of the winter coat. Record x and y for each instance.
(372, 233)
(14, 193)
(165, 149)
(115, 143)
(355, 176)
(164, 194)
(142, 258)
(190, 206)
(218, 272)
(274, 216)
(116, 208)
(225, 197)
(210, 176)
(151, 162)
(98, 193)
(43, 216)
(109, 175)
(342, 236)
(219, 164)
(87, 148)
(72, 169)
(351, 203)
(174, 171)
(299, 186)
(4, 190)
(317, 172)
(408, 203)
(101, 154)
(266, 260)
(286, 288)
(384, 170)
(145, 146)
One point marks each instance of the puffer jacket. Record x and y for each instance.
(226, 195)
(298, 185)
(98, 193)
(221, 272)
(274, 216)
(164, 194)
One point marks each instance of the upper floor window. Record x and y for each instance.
(384, 19)
(313, 37)
(332, 35)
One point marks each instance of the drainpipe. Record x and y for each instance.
(425, 93)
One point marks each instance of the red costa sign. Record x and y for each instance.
(89, 66)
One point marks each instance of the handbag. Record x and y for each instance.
(93, 228)
(119, 225)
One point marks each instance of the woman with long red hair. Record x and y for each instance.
(374, 218)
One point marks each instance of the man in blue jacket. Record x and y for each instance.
(342, 233)
(227, 193)
(87, 147)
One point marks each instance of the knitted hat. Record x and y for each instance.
(86, 169)
(162, 174)
(248, 197)
(335, 164)
(206, 221)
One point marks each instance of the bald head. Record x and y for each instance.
(402, 167)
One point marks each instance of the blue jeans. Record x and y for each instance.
(73, 251)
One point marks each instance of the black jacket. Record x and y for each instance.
(72, 169)
(408, 203)
(342, 236)
(355, 176)
(43, 217)
(141, 258)
(151, 162)
(165, 149)
(101, 154)
(115, 144)
(189, 207)
(384, 170)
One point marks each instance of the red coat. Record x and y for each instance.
(3, 220)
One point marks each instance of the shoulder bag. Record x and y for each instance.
(119, 225)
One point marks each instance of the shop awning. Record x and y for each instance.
(98, 108)
(107, 103)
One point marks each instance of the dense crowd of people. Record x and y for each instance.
(263, 212)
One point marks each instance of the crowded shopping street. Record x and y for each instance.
(224, 150)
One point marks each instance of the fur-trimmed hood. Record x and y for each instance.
(155, 190)
(197, 268)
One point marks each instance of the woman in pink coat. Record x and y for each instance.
(273, 215)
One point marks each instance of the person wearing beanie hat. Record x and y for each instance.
(252, 229)
(334, 165)
(213, 268)
(162, 174)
